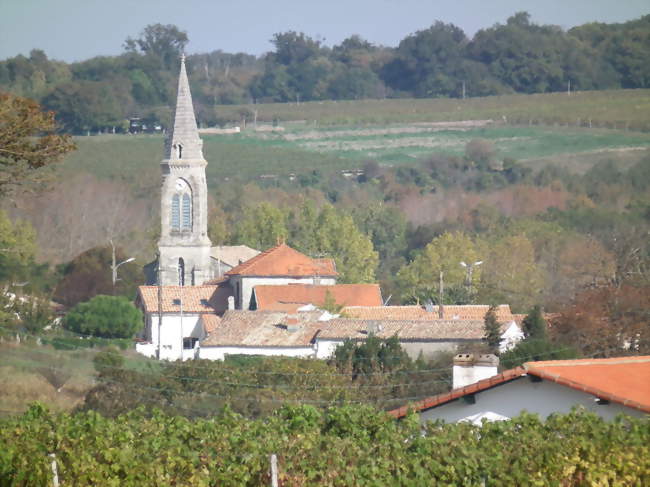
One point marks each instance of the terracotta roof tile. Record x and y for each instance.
(195, 299)
(416, 312)
(282, 260)
(210, 322)
(292, 296)
(356, 329)
(624, 380)
(263, 329)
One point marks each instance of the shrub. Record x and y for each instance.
(104, 316)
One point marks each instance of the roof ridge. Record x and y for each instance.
(633, 359)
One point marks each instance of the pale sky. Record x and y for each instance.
(74, 30)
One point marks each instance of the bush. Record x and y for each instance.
(104, 316)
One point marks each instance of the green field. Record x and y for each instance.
(616, 109)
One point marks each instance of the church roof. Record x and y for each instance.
(290, 297)
(233, 255)
(184, 131)
(195, 299)
(282, 260)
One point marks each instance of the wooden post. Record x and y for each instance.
(274, 470)
(55, 473)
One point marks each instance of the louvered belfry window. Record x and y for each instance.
(187, 212)
(176, 212)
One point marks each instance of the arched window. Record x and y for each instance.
(181, 272)
(176, 212)
(187, 212)
(180, 151)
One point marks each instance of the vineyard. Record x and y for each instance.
(340, 446)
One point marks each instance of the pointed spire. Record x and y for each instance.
(183, 142)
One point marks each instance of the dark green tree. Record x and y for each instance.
(164, 43)
(534, 324)
(492, 329)
(531, 350)
(105, 317)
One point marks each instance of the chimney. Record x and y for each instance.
(470, 368)
(231, 302)
(292, 325)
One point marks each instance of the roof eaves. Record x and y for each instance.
(445, 397)
(558, 379)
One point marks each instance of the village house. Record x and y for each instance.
(607, 387)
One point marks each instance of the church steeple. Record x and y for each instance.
(183, 144)
(184, 246)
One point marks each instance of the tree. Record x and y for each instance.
(28, 143)
(104, 316)
(261, 226)
(492, 329)
(89, 274)
(419, 280)
(162, 42)
(534, 324)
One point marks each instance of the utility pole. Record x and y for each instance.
(468, 279)
(463, 89)
(160, 301)
(441, 310)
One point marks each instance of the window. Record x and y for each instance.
(181, 272)
(180, 151)
(187, 212)
(176, 212)
(189, 342)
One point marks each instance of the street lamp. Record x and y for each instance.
(468, 279)
(115, 266)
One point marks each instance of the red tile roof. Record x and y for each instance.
(195, 299)
(292, 296)
(623, 380)
(416, 330)
(282, 260)
(240, 328)
(417, 312)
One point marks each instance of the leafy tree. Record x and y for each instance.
(104, 316)
(534, 324)
(492, 329)
(28, 143)
(261, 226)
(419, 280)
(162, 42)
(89, 274)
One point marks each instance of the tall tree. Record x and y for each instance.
(162, 42)
(28, 142)
(534, 324)
(492, 330)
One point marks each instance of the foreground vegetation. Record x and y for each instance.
(339, 446)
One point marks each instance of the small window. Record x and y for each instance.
(177, 302)
(180, 151)
(189, 342)
(205, 302)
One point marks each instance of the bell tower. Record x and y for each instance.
(184, 246)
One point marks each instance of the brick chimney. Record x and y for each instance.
(469, 368)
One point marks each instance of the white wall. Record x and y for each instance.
(248, 283)
(511, 398)
(464, 375)
(218, 353)
(325, 348)
(172, 331)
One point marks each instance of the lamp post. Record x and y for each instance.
(468, 279)
(115, 266)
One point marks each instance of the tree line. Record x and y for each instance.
(518, 56)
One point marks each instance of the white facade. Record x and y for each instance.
(512, 398)
(243, 285)
(219, 353)
(510, 337)
(177, 334)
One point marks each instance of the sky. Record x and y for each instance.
(75, 30)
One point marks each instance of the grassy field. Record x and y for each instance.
(58, 378)
(618, 109)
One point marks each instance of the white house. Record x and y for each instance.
(172, 328)
(607, 387)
